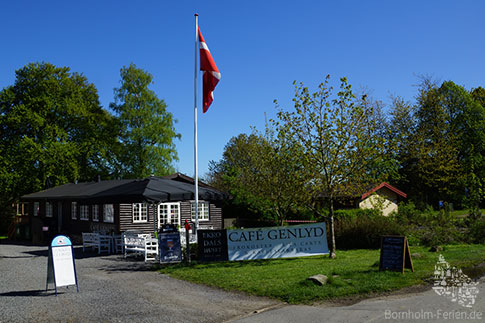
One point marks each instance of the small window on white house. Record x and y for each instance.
(140, 213)
(48, 209)
(108, 213)
(203, 210)
(84, 212)
(96, 213)
(36, 208)
(74, 210)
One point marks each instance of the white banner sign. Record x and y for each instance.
(277, 242)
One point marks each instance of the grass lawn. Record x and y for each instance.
(463, 213)
(353, 272)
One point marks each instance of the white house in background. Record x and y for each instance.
(384, 197)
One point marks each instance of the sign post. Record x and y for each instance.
(395, 254)
(61, 268)
(187, 239)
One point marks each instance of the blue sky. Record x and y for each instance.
(260, 48)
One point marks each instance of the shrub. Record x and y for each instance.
(364, 230)
(477, 231)
(407, 213)
(440, 235)
(354, 213)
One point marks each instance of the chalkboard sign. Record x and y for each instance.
(212, 245)
(169, 247)
(61, 269)
(395, 254)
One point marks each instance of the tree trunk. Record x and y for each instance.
(332, 248)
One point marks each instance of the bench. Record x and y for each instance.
(140, 244)
(95, 240)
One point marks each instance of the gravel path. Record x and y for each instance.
(111, 289)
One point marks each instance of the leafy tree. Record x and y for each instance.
(402, 130)
(338, 144)
(261, 172)
(51, 124)
(448, 145)
(147, 128)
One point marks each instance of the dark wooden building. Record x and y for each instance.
(120, 205)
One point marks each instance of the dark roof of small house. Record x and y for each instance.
(185, 179)
(151, 190)
(382, 185)
(71, 191)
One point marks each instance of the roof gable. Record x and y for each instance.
(382, 185)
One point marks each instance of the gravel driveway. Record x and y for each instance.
(111, 289)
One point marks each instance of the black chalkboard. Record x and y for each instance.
(212, 245)
(395, 254)
(169, 247)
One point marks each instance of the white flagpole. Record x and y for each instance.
(196, 179)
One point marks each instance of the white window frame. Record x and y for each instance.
(36, 208)
(74, 210)
(140, 213)
(203, 211)
(166, 212)
(108, 213)
(48, 210)
(22, 209)
(95, 213)
(84, 212)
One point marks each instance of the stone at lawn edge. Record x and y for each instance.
(319, 279)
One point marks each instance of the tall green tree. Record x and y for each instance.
(448, 146)
(147, 129)
(403, 127)
(339, 143)
(261, 172)
(51, 124)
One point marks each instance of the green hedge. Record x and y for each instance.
(362, 229)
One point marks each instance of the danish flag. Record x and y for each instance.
(211, 75)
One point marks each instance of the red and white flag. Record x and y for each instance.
(211, 75)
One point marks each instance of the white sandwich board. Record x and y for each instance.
(61, 268)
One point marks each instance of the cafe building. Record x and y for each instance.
(116, 206)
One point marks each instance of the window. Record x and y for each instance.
(36, 209)
(140, 213)
(108, 213)
(74, 210)
(168, 213)
(84, 212)
(96, 213)
(48, 209)
(22, 209)
(203, 211)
